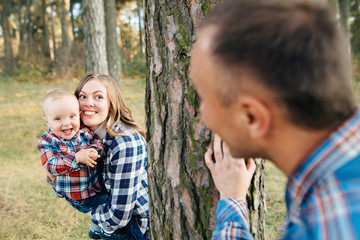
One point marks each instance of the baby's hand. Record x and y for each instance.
(93, 153)
(86, 156)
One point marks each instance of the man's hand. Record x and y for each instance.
(232, 176)
(87, 157)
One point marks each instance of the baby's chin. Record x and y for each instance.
(68, 134)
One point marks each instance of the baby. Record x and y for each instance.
(69, 152)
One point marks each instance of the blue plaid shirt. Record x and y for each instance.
(322, 196)
(77, 181)
(125, 178)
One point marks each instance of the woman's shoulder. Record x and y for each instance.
(127, 135)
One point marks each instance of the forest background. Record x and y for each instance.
(41, 49)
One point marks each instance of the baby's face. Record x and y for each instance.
(62, 116)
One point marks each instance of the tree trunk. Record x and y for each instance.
(139, 6)
(183, 197)
(9, 59)
(256, 200)
(64, 52)
(112, 44)
(53, 34)
(46, 46)
(21, 20)
(94, 37)
(72, 19)
(28, 27)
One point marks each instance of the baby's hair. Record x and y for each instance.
(56, 95)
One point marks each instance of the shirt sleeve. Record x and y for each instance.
(232, 220)
(126, 163)
(55, 158)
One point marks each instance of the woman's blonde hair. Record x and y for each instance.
(119, 112)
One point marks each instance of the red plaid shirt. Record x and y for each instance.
(75, 180)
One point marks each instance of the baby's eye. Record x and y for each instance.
(73, 116)
(57, 119)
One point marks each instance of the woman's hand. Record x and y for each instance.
(232, 176)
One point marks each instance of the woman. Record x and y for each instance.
(103, 110)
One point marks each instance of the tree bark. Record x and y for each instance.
(9, 59)
(112, 43)
(183, 197)
(94, 37)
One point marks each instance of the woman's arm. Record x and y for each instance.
(127, 164)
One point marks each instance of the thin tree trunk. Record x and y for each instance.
(72, 19)
(112, 44)
(53, 34)
(64, 53)
(28, 32)
(94, 37)
(21, 20)
(46, 46)
(139, 6)
(183, 197)
(9, 59)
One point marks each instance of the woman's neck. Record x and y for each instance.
(100, 132)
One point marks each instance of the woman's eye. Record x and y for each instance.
(99, 97)
(81, 97)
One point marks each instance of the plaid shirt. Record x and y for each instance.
(322, 196)
(75, 180)
(125, 178)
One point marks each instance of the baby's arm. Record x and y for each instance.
(54, 157)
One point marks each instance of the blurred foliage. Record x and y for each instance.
(136, 67)
(27, 28)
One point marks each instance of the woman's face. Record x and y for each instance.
(94, 104)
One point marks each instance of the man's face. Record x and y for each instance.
(220, 118)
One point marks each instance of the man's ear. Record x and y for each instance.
(256, 115)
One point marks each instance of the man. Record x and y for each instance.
(274, 78)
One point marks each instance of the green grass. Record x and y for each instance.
(28, 207)
(275, 182)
